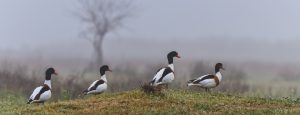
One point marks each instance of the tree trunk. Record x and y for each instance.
(98, 50)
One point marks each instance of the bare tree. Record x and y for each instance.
(102, 17)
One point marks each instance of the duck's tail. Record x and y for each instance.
(29, 101)
(85, 92)
(190, 82)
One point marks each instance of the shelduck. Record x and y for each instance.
(208, 81)
(98, 86)
(165, 75)
(43, 93)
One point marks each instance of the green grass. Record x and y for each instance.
(10, 103)
(172, 102)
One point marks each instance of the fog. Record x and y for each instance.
(235, 31)
(257, 41)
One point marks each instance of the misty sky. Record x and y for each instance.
(36, 24)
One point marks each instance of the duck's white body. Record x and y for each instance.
(44, 93)
(164, 76)
(44, 96)
(207, 81)
(98, 86)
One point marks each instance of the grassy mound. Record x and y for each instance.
(172, 102)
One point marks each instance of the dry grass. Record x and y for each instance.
(173, 102)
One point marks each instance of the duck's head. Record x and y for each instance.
(50, 71)
(103, 69)
(218, 67)
(171, 55)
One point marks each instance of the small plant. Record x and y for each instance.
(66, 95)
(149, 89)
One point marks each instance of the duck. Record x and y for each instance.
(210, 80)
(165, 75)
(98, 86)
(43, 93)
